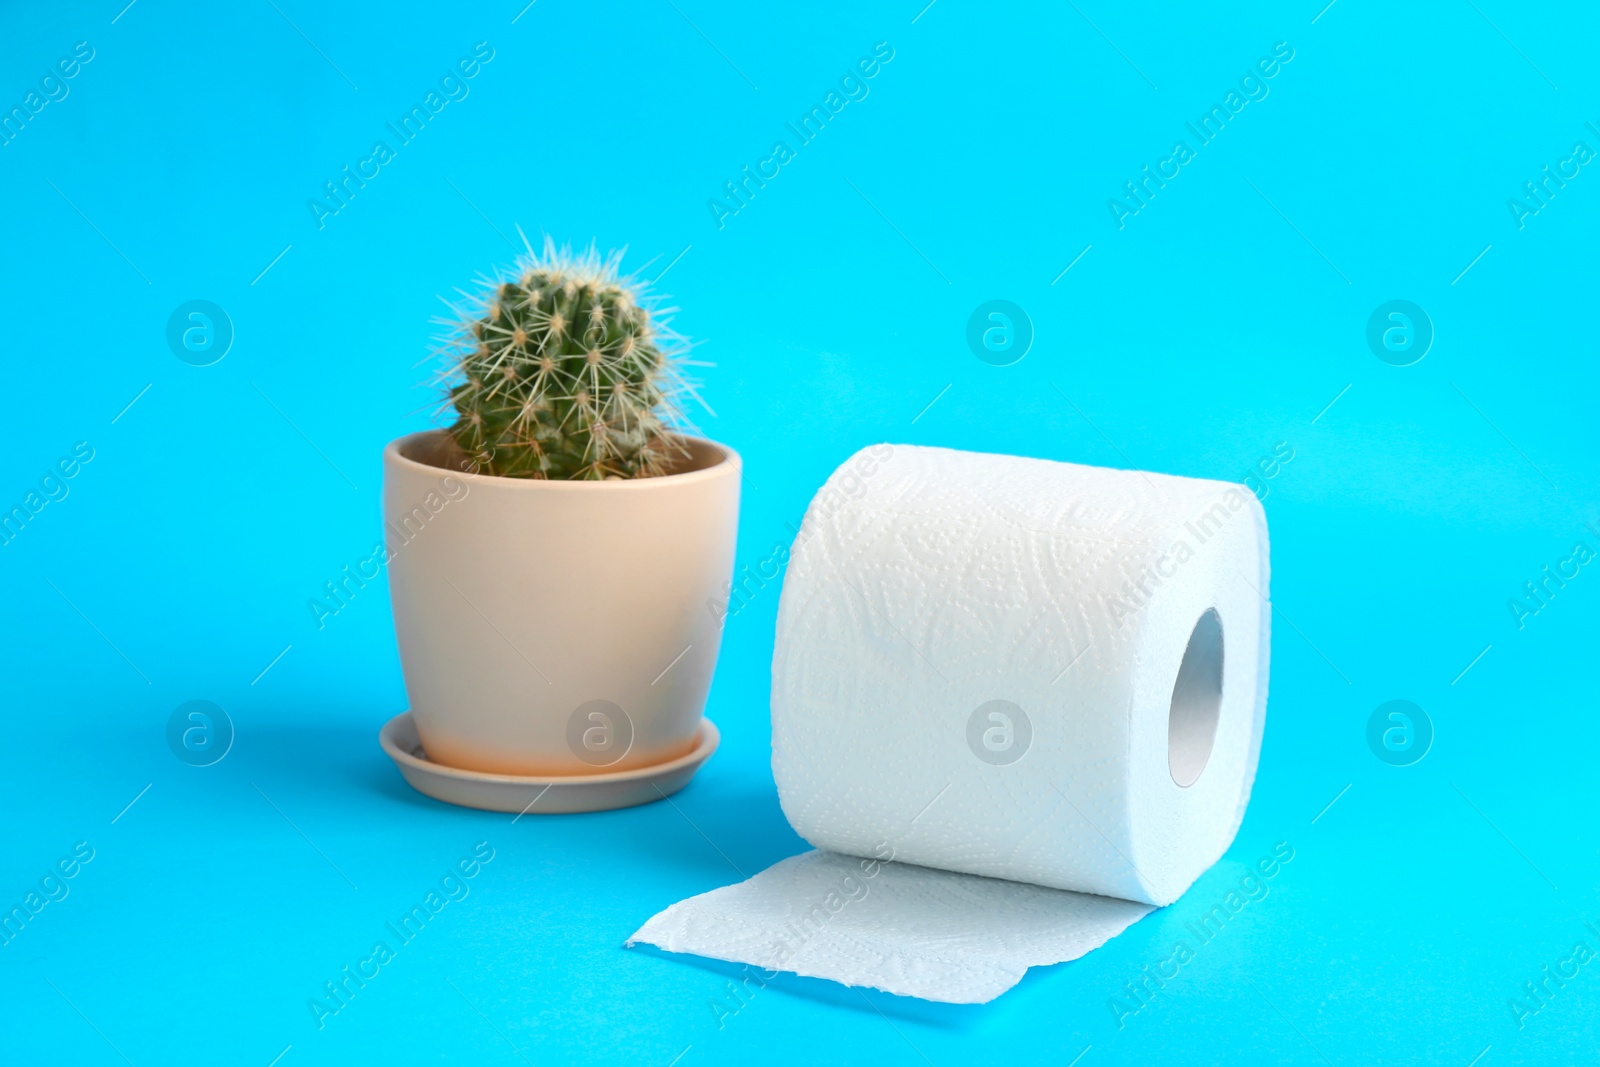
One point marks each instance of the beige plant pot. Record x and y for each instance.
(553, 627)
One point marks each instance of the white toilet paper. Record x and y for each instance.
(1027, 671)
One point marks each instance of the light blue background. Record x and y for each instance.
(1221, 320)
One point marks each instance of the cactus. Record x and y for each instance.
(564, 369)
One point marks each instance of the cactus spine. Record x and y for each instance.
(564, 369)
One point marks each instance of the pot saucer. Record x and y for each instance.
(548, 795)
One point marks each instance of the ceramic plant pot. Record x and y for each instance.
(557, 627)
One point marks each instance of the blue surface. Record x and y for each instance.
(1222, 319)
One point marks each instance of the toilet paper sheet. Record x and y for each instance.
(917, 932)
(1016, 705)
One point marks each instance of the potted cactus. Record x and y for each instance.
(552, 550)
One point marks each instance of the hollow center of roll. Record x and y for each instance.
(1196, 701)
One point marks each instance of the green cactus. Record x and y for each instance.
(564, 370)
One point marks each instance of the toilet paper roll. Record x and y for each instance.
(1016, 669)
